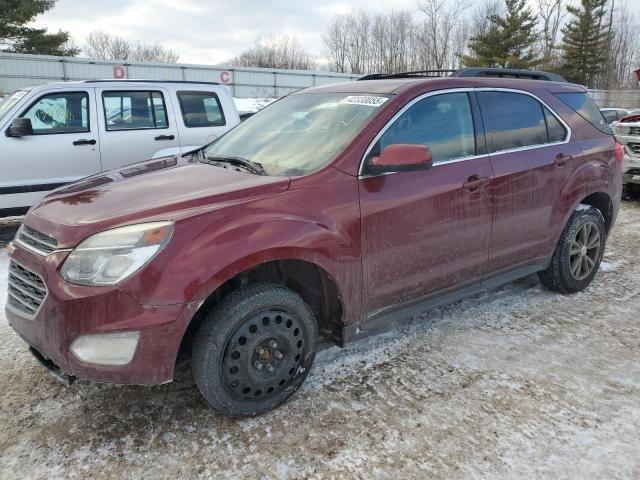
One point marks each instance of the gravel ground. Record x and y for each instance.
(514, 383)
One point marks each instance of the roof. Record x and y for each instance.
(400, 85)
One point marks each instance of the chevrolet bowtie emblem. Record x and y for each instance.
(10, 248)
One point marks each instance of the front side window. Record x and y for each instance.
(201, 109)
(65, 112)
(441, 122)
(298, 134)
(134, 110)
(584, 106)
(512, 120)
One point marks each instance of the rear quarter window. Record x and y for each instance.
(584, 106)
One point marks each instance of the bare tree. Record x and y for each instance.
(337, 43)
(441, 29)
(551, 15)
(276, 52)
(104, 46)
(624, 49)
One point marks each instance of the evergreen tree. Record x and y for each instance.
(585, 40)
(15, 36)
(509, 41)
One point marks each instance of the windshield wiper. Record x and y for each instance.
(253, 167)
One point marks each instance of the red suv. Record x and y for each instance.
(335, 211)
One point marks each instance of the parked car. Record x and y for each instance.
(61, 132)
(627, 131)
(335, 211)
(612, 114)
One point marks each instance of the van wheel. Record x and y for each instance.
(578, 253)
(254, 349)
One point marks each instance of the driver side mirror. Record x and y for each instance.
(399, 157)
(20, 127)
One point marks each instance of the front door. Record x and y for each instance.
(64, 147)
(425, 231)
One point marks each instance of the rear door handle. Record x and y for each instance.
(84, 141)
(165, 137)
(561, 159)
(474, 182)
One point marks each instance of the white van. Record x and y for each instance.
(57, 133)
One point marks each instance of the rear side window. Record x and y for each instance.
(512, 120)
(134, 110)
(65, 112)
(557, 132)
(441, 122)
(585, 107)
(201, 109)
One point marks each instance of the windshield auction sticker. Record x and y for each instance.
(368, 100)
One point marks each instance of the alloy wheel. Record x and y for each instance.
(585, 251)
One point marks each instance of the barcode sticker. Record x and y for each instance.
(369, 100)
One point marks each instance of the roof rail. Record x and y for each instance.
(508, 73)
(412, 74)
(470, 72)
(152, 81)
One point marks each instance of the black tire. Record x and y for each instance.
(254, 349)
(568, 271)
(632, 191)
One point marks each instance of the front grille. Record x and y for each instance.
(634, 147)
(26, 290)
(634, 131)
(39, 241)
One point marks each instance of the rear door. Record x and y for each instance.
(134, 124)
(64, 146)
(426, 230)
(531, 156)
(201, 117)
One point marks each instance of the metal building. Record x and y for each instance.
(19, 71)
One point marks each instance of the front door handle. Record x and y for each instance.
(561, 159)
(84, 141)
(165, 137)
(474, 182)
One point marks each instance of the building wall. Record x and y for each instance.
(19, 71)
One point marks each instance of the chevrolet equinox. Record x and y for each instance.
(333, 212)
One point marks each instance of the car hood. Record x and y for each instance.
(166, 188)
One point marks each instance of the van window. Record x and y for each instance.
(201, 109)
(134, 110)
(64, 112)
(441, 122)
(512, 120)
(581, 103)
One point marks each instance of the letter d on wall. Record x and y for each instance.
(119, 72)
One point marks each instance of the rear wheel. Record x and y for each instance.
(254, 349)
(578, 253)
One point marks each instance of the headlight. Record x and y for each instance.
(109, 257)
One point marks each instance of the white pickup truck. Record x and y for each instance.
(627, 132)
(57, 133)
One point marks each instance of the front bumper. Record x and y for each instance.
(69, 311)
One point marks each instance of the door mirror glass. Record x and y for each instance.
(20, 127)
(400, 156)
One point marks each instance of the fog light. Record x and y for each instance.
(106, 348)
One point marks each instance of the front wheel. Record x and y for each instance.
(254, 349)
(578, 253)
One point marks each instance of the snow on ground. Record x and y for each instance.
(517, 382)
(251, 105)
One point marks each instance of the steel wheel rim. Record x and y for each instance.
(264, 354)
(585, 251)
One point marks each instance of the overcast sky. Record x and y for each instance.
(206, 31)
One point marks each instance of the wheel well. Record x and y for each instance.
(311, 282)
(602, 202)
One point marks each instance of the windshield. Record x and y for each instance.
(8, 103)
(298, 134)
